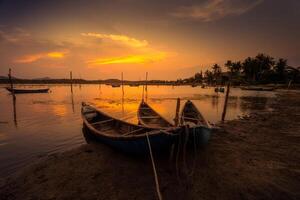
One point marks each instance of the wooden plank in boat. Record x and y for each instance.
(134, 131)
(150, 117)
(101, 122)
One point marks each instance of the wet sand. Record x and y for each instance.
(257, 157)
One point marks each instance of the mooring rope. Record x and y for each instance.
(186, 137)
(195, 151)
(154, 169)
(177, 157)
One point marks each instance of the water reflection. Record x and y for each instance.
(72, 101)
(14, 110)
(47, 123)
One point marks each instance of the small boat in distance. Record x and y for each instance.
(24, 91)
(199, 128)
(115, 85)
(134, 85)
(124, 136)
(148, 117)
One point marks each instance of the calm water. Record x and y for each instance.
(47, 123)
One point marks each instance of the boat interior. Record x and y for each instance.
(151, 118)
(111, 126)
(191, 116)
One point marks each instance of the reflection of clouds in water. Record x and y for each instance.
(51, 102)
(60, 110)
(51, 114)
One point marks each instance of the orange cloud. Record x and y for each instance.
(35, 57)
(119, 38)
(131, 59)
(56, 54)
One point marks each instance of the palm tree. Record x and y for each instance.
(228, 65)
(209, 76)
(250, 68)
(216, 70)
(265, 62)
(280, 68)
(236, 67)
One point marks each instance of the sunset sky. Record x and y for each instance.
(168, 39)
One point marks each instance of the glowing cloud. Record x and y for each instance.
(119, 38)
(56, 54)
(131, 59)
(35, 57)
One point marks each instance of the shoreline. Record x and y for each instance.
(257, 157)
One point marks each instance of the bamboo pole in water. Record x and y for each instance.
(146, 87)
(122, 83)
(177, 112)
(71, 78)
(11, 83)
(226, 101)
(146, 81)
(143, 93)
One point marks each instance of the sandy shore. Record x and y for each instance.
(257, 157)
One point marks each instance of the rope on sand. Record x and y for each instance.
(186, 137)
(195, 152)
(154, 169)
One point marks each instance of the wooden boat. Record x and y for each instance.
(124, 136)
(199, 128)
(115, 85)
(148, 117)
(23, 91)
(258, 88)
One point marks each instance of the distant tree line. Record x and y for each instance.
(261, 69)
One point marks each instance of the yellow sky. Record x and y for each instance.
(167, 39)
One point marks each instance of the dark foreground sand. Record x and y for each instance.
(254, 158)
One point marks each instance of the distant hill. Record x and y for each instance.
(43, 78)
(6, 77)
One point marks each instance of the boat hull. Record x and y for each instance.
(135, 145)
(25, 91)
(199, 135)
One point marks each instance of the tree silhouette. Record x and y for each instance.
(280, 68)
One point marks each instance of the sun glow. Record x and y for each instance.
(119, 38)
(35, 57)
(131, 59)
(56, 54)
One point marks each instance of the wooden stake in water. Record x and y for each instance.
(80, 81)
(122, 83)
(146, 87)
(177, 112)
(143, 93)
(11, 83)
(226, 101)
(71, 78)
(146, 81)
